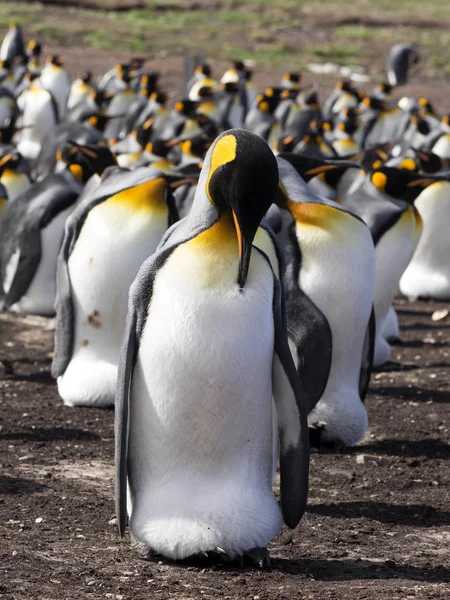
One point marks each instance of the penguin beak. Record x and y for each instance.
(245, 251)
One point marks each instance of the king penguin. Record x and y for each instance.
(428, 273)
(110, 234)
(330, 255)
(204, 352)
(32, 232)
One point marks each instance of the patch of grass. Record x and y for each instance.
(337, 52)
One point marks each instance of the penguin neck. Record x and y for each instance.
(220, 237)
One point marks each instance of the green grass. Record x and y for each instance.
(268, 31)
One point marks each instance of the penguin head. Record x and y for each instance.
(99, 121)
(372, 103)
(86, 77)
(137, 62)
(86, 159)
(308, 167)
(55, 60)
(34, 49)
(402, 184)
(186, 107)
(204, 69)
(431, 162)
(240, 176)
(158, 148)
(196, 146)
(230, 87)
(143, 132)
(159, 97)
(10, 161)
(267, 103)
(291, 80)
(149, 84)
(420, 124)
(425, 107)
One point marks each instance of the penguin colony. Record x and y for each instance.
(222, 271)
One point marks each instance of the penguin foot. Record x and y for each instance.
(257, 556)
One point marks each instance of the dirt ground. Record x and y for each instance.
(377, 525)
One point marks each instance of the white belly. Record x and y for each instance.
(201, 414)
(428, 273)
(112, 245)
(39, 298)
(393, 252)
(337, 274)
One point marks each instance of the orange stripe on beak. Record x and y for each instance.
(239, 235)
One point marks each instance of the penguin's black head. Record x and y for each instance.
(242, 181)
(99, 121)
(372, 102)
(268, 103)
(159, 97)
(186, 107)
(425, 106)
(293, 77)
(421, 124)
(149, 84)
(384, 88)
(10, 161)
(55, 60)
(204, 69)
(88, 159)
(137, 62)
(431, 162)
(158, 148)
(231, 87)
(309, 167)
(196, 146)
(402, 184)
(86, 77)
(34, 49)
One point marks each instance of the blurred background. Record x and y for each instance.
(279, 35)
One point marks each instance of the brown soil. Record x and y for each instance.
(377, 526)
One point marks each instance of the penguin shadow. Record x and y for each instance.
(52, 434)
(418, 313)
(18, 485)
(426, 448)
(11, 368)
(392, 366)
(424, 327)
(415, 515)
(423, 344)
(417, 394)
(357, 569)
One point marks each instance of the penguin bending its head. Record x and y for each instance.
(204, 352)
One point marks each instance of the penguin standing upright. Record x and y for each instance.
(110, 234)
(428, 273)
(14, 174)
(204, 352)
(55, 79)
(330, 255)
(384, 200)
(39, 118)
(12, 45)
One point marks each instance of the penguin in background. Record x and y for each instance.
(38, 119)
(224, 315)
(31, 235)
(3, 203)
(137, 111)
(384, 200)
(329, 254)
(201, 73)
(121, 102)
(14, 174)
(107, 238)
(345, 95)
(80, 89)
(428, 273)
(34, 52)
(401, 58)
(55, 79)
(80, 133)
(261, 119)
(194, 90)
(13, 44)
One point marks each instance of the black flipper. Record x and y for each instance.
(292, 422)
(367, 357)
